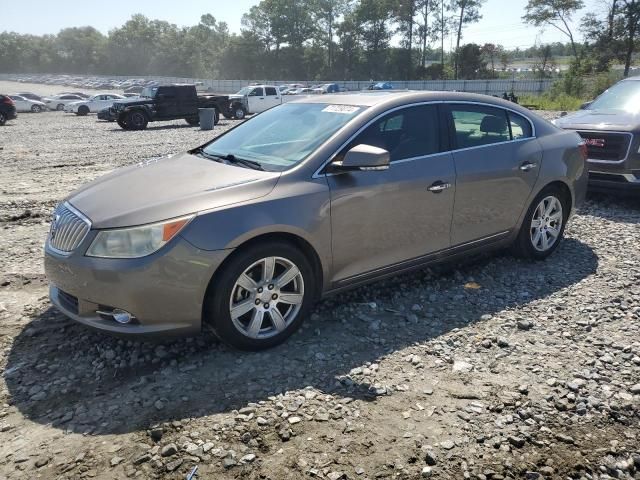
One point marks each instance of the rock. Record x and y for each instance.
(156, 434)
(503, 342)
(294, 420)
(248, 458)
(430, 457)
(635, 389)
(229, 462)
(173, 465)
(359, 470)
(426, 472)
(115, 461)
(524, 325)
(447, 444)
(564, 438)
(42, 461)
(168, 450)
(145, 457)
(335, 475)
(517, 442)
(461, 366)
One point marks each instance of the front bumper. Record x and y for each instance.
(609, 182)
(164, 291)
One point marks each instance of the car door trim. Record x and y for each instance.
(319, 171)
(420, 261)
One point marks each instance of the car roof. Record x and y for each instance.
(393, 98)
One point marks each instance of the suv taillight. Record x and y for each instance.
(583, 150)
(7, 100)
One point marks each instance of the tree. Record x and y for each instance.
(325, 14)
(373, 20)
(472, 65)
(466, 11)
(556, 13)
(491, 53)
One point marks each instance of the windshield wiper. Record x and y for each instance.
(229, 157)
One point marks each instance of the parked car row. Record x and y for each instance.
(96, 83)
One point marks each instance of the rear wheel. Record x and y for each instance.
(36, 108)
(3, 119)
(261, 297)
(83, 110)
(60, 107)
(543, 225)
(137, 120)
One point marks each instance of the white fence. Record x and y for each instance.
(488, 87)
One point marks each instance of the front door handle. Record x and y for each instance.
(526, 166)
(439, 186)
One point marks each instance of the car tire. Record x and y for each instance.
(122, 121)
(193, 121)
(136, 120)
(216, 116)
(3, 119)
(543, 226)
(239, 112)
(260, 320)
(60, 107)
(36, 108)
(83, 110)
(227, 116)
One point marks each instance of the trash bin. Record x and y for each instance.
(207, 116)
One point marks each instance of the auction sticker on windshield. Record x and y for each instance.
(346, 109)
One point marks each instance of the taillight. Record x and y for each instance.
(583, 151)
(8, 101)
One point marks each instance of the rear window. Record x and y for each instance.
(520, 126)
(271, 91)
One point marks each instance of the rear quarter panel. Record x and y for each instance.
(562, 162)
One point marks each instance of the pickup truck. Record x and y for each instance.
(167, 102)
(254, 99)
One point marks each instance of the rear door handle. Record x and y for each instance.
(526, 166)
(439, 186)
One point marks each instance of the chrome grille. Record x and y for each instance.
(68, 229)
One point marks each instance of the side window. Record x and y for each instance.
(477, 125)
(407, 133)
(520, 126)
(270, 91)
(256, 92)
(168, 92)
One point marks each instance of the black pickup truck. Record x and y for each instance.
(166, 102)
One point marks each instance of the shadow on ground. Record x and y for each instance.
(60, 373)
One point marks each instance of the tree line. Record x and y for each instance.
(327, 39)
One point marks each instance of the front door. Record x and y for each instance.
(383, 218)
(497, 163)
(272, 97)
(256, 100)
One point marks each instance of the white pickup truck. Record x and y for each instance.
(255, 99)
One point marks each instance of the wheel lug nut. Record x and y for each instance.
(271, 287)
(257, 302)
(260, 290)
(274, 296)
(266, 305)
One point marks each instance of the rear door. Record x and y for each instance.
(272, 97)
(497, 163)
(166, 102)
(381, 219)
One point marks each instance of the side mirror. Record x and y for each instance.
(364, 157)
(585, 105)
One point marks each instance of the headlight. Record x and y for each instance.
(136, 242)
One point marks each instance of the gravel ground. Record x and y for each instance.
(490, 369)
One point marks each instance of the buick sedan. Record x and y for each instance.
(244, 233)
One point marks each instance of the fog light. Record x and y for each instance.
(120, 316)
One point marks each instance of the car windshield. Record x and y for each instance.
(285, 135)
(244, 91)
(149, 92)
(622, 96)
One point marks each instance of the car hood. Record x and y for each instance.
(600, 120)
(168, 187)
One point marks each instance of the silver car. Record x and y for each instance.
(311, 197)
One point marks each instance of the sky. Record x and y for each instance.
(500, 23)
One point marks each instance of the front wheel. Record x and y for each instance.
(543, 225)
(137, 120)
(36, 108)
(261, 297)
(83, 110)
(60, 107)
(3, 119)
(239, 112)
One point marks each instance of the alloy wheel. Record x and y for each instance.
(546, 223)
(266, 298)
